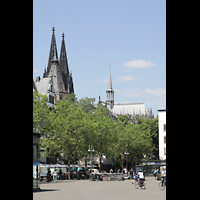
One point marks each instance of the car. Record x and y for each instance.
(94, 171)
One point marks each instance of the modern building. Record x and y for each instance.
(162, 133)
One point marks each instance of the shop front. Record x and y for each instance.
(151, 165)
(36, 161)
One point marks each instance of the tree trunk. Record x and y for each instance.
(86, 162)
(68, 168)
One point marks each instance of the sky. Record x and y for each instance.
(128, 35)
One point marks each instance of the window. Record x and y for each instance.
(51, 99)
(164, 127)
(164, 139)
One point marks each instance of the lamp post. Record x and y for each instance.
(126, 159)
(91, 150)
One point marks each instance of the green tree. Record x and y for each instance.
(41, 112)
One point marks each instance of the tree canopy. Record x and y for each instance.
(75, 124)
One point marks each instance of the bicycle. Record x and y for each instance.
(162, 184)
(140, 183)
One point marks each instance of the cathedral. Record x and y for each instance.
(57, 73)
(131, 109)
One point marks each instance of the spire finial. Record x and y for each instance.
(53, 29)
(109, 80)
(63, 36)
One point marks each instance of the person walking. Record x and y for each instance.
(155, 173)
(131, 175)
(55, 174)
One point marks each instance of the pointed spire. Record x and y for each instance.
(109, 80)
(110, 92)
(64, 64)
(53, 55)
(63, 57)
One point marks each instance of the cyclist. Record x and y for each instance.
(163, 175)
(140, 177)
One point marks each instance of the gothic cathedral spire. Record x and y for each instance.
(63, 57)
(53, 51)
(59, 68)
(110, 92)
(67, 77)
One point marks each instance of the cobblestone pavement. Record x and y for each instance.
(96, 190)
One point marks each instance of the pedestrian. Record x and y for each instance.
(131, 175)
(55, 174)
(155, 173)
(52, 176)
(60, 174)
(111, 170)
(124, 171)
(48, 175)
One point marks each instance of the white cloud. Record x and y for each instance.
(125, 78)
(156, 92)
(139, 64)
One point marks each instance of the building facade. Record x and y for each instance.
(162, 133)
(131, 109)
(57, 71)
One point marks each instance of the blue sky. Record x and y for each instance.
(130, 35)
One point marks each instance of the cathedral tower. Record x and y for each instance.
(58, 69)
(67, 77)
(53, 50)
(110, 92)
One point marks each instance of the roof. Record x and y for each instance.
(129, 108)
(42, 85)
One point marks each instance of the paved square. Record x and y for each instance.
(96, 190)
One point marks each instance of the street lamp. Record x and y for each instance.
(126, 159)
(91, 149)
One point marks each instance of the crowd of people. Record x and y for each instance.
(138, 175)
(53, 175)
